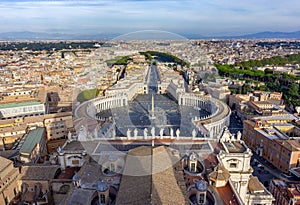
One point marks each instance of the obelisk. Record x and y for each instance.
(152, 117)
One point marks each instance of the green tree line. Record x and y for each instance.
(49, 46)
(164, 57)
(273, 61)
(275, 82)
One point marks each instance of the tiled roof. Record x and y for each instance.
(4, 163)
(39, 172)
(150, 178)
(255, 186)
(220, 173)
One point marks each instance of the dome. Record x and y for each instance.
(102, 186)
(201, 185)
(112, 158)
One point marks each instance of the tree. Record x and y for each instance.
(268, 71)
(276, 85)
(246, 88)
(293, 90)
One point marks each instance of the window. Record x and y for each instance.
(201, 198)
(102, 199)
(232, 165)
(75, 162)
(112, 167)
(193, 167)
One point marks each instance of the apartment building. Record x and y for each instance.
(285, 193)
(8, 181)
(58, 127)
(277, 143)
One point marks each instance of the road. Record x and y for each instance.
(271, 169)
(235, 124)
(152, 79)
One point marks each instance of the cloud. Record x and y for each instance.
(193, 16)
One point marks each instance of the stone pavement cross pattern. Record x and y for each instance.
(168, 114)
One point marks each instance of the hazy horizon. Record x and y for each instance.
(202, 17)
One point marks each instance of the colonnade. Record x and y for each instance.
(216, 128)
(218, 118)
(198, 101)
(111, 102)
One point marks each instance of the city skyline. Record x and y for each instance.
(209, 18)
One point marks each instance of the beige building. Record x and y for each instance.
(257, 103)
(72, 154)
(35, 183)
(218, 91)
(8, 181)
(285, 193)
(58, 127)
(277, 143)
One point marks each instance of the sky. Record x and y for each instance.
(205, 17)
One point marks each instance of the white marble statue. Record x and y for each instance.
(232, 137)
(145, 133)
(82, 135)
(153, 132)
(69, 136)
(226, 135)
(194, 133)
(161, 133)
(128, 133)
(171, 132)
(177, 133)
(113, 133)
(135, 132)
(239, 135)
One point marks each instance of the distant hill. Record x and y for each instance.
(260, 35)
(269, 34)
(36, 36)
(27, 35)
